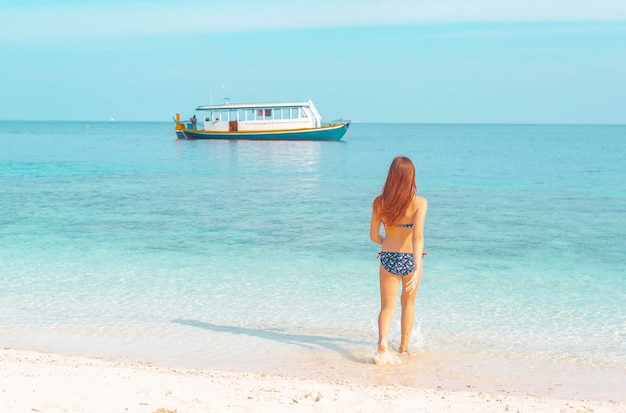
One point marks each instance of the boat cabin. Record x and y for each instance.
(236, 117)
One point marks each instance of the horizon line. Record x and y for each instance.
(351, 122)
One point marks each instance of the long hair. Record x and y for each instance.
(398, 191)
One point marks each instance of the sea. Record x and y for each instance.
(120, 242)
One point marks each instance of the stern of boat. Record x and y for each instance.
(179, 125)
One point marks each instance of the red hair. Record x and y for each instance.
(398, 191)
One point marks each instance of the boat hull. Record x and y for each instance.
(325, 133)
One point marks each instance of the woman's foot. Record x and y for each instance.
(383, 356)
(404, 348)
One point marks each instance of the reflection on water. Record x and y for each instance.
(295, 156)
(253, 156)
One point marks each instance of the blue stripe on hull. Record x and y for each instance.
(325, 134)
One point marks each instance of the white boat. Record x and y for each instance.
(258, 121)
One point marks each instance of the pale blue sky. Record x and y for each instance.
(427, 61)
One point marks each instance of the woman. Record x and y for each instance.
(402, 213)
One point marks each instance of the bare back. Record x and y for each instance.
(401, 237)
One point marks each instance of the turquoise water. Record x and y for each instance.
(117, 240)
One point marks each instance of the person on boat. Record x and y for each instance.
(193, 120)
(402, 213)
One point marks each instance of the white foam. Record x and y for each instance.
(386, 357)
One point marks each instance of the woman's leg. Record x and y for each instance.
(407, 301)
(388, 293)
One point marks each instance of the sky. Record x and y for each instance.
(421, 61)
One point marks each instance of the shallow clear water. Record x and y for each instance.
(120, 241)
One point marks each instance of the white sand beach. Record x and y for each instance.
(41, 382)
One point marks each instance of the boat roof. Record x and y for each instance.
(255, 105)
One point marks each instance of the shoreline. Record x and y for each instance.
(45, 382)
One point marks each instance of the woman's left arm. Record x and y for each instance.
(375, 228)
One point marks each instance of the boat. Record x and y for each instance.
(260, 121)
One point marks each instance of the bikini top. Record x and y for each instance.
(400, 225)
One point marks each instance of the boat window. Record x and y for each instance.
(224, 116)
(278, 113)
(250, 114)
(303, 113)
(286, 113)
(294, 113)
(264, 114)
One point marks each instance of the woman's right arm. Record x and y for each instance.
(418, 243)
(375, 228)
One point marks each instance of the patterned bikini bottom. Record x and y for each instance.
(398, 263)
